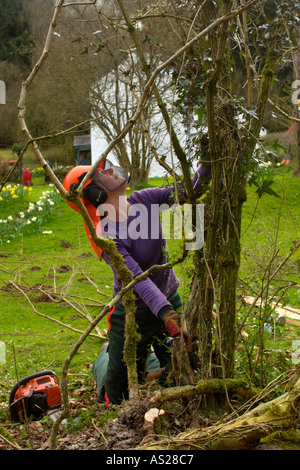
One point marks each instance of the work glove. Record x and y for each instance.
(172, 323)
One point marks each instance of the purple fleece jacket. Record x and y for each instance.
(148, 247)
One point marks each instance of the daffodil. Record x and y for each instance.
(28, 216)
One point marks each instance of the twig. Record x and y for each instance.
(94, 284)
(288, 116)
(80, 3)
(14, 446)
(46, 316)
(264, 287)
(85, 315)
(94, 301)
(147, 134)
(22, 101)
(100, 432)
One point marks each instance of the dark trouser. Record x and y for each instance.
(109, 369)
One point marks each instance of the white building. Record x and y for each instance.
(158, 132)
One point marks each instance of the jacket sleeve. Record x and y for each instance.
(146, 289)
(164, 195)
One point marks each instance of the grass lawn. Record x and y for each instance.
(63, 263)
(270, 228)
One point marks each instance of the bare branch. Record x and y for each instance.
(281, 111)
(18, 288)
(295, 248)
(75, 4)
(22, 100)
(151, 82)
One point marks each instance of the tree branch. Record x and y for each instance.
(281, 111)
(242, 433)
(275, 272)
(64, 325)
(151, 81)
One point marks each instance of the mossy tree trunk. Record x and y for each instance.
(224, 241)
(218, 264)
(212, 301)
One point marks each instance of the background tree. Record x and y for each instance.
(16, 42)
(16, 49)
(114, 99)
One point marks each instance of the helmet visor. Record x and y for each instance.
(111, 177)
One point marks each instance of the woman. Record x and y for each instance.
(134, 224)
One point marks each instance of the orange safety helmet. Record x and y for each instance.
(74, 177)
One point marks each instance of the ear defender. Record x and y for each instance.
(94, 194)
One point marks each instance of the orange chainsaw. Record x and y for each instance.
(34, 396)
